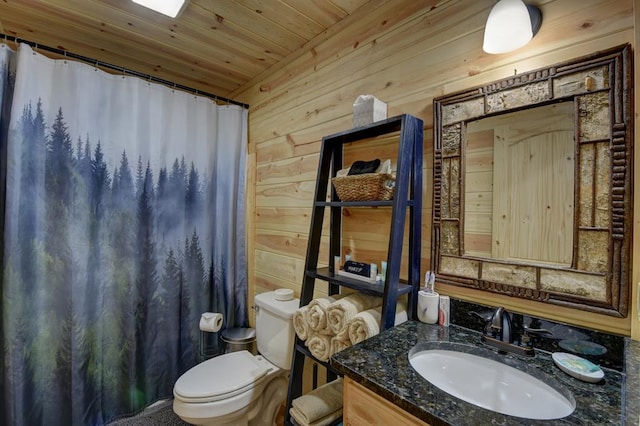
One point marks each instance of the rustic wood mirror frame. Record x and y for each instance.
(597, 280)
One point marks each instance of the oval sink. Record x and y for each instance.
(490, 384)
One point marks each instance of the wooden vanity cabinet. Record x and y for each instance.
(362, 407)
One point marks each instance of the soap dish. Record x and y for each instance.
(577, 367)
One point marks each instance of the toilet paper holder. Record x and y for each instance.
(210, 325)
(209, 344)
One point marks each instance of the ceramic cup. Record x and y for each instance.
(428, 305)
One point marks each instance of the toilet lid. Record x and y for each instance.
(220, 377)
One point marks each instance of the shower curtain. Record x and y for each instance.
(122, 221)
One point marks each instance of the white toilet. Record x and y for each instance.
(240, 388)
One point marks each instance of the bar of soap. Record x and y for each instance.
(578, 367)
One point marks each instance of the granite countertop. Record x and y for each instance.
(381, 364)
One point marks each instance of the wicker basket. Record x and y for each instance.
(365, 187)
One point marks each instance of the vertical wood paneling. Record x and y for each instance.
(405, 52)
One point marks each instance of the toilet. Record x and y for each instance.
(240, 388)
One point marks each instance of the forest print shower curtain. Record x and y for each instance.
(123, 222)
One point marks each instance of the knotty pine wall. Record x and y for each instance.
(405, 52)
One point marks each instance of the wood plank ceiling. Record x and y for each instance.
(215, 46)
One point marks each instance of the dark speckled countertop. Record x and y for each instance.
(381, 364)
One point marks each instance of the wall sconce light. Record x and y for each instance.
(511, 24)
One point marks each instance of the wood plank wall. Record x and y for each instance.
(405, 52)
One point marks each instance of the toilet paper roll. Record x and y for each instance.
(211, 322)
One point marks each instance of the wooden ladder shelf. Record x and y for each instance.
(407, 198)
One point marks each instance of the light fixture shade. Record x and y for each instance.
(508, 27)
(170, 8)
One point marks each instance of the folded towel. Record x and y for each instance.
(301, 322)
(340, 341)
(323, 421)
(340, 312)
(319, 403)
(319, 345)
(366, 324)
(318, 313)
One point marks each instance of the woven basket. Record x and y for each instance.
(365, 187)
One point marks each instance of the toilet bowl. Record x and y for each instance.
(234, 387)
(240, 388)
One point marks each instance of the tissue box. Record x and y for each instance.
(367, 109)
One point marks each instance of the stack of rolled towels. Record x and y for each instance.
(319, 407)
(330, 324)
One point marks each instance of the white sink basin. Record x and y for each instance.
(490, 384)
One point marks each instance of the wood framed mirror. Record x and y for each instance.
(532, 184)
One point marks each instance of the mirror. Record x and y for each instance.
(519, 186)
(532, 184)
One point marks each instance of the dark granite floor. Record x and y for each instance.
(159, 415)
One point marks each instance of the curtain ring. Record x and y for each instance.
(35, 48)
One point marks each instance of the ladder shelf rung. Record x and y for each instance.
(378, 128)
(375, 289)
(300, 347)
(388, 203)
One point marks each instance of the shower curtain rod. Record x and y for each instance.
(97, 63)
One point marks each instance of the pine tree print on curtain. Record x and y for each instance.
(123, 222)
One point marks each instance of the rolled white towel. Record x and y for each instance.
(318, 313)
(320, 406)
(340, 341)
(340, 312)
(301, 322)
(366, 324)
(319, 345)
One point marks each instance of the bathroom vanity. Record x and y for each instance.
(363, 406)
(381, 383)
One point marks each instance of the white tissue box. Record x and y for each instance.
(367, 109)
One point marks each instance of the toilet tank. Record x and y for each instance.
(274, 328)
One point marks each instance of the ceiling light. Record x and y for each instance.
(511, 25)
(167, 7)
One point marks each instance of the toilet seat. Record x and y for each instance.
(230, 374)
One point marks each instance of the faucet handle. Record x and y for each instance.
(525, 339)
(485, 316)
(538, 331)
